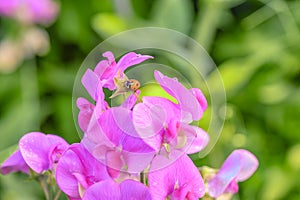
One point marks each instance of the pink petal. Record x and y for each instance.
(14, 163)
(90, 81)
(200, 97)
(37, 156)
(85, 113)
(197, 139)
(107, 189)
(239, 165)
(137, 162)
(131, 100)
(131, 59)
(131, 189)
(116, 124)
(190, 107)
(114, 163)
(181, 176)
(78, 166)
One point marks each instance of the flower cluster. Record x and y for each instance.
(137, 150)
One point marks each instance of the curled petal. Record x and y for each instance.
(200, 97)
(90, 81)
(131, 59)
(181, 179)
(190, 107)
(85, 113)
(76, 169)
(35, 148)
(14, 163)
(197, 139)
(131, 189)
(239, 166)
(105, 68)
(107, 189)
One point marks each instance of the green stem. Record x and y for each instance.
(143, 178)
(57, 195)
(44, 187)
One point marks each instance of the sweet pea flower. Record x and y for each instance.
(37, 151)
(180, 180)
(159, 121)
(77, 170)
(30, 11)
(14, 163)
(128, 189)
(41, 152)
(114, 141)
(239, 166)
(108, 69)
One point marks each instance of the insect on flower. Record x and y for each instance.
(125, 85)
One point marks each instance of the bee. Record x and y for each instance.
(132, 84)
(125, 85)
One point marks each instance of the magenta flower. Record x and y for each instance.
(108, 69)
(239, 166)
(14, 163)
(159, 121)
(77, 170)
(41, 152)
(180, 180)
(30, 11)
(115, 142)
(85, 113)
(37, 151)
(128, 189)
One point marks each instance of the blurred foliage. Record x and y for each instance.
(255, 45)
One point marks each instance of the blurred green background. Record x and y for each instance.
(255, 45)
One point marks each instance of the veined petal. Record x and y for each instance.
(239, 165)
(117, 125)
(107, 189)
(137, 162)
(131, 59)
(131, 189)
(35, 148)
(250, 164)
(197, 139)
(85, 113)
(77, 167)
(181, 176)
(186, 100)
(90, 81)
(200, 97)
(14, 163)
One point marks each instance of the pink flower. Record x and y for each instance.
(128, 189)
(114, 141)
(180, 180)
(30, 11)
(41, 152)
(107, 70)
(37, 151)
(77, 170)
(159, 121)
(14, 163)
(239, 166)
